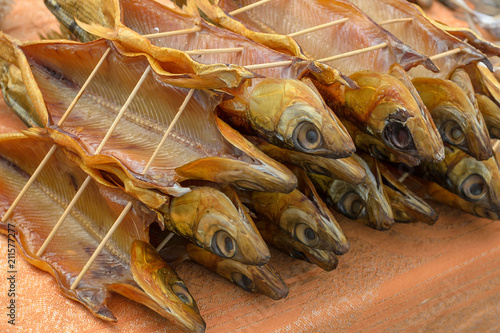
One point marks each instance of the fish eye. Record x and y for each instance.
(453, 133)
(352, 205)
(181, 292)
(223, 244)
(473, 187)
(306, 235)
(243, 281)
(306, 136)
(398, 135)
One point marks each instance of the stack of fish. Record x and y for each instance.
(229, 131)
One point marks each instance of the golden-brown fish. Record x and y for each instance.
(281, 109)
(302, 214)
(200, 146)
(218, 223)
(459, 122)
(472, 180)
(491, 114)
(94, 213)
(406, 205)
(285, 243)
(344, 168)
(366, 201)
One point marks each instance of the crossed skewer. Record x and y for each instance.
(127, 208)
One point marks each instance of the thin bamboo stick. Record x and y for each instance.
(269, 65)
(253, 5)
(446, 54)
(318, 27)
(215, 51)
(353, 53)
(401, 20)
(164, 242)
(172, 33)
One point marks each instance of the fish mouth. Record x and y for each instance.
(269, 282)
(379, 212)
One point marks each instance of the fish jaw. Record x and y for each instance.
(207, 217)
(410, 208)
(459, 122)
(163, 285)
(491, 114)
(385, 108)
(343, 168)
(255, 279)
(291, 114)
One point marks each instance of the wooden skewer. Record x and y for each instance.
(164, 242)
(445, 54)
(318, 27)
(215, 51)
(172, 33)
(269, 64)
(253, 5)
(53, 149)
(403, 177)
(98, 150)
(401, 20)
(353, 53)
(495, 146)
(129, 205)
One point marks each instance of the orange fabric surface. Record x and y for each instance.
(417, 277)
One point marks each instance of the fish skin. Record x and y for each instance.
(156, 277)
(452, 174)
(451, 108)
(203, 212)
(271, 233)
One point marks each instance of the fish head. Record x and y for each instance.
(366, 201)
(389, 111)
(407, 207)
(255, 279)
(162, 284)
(292, 114)
(210, 219)
(475, 181)
(458, 121)
(324, 259)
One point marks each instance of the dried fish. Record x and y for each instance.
(345, 168)
(472, 180)
(301, 214)
(256, 279)
(287, 244)
(366, 202)
(283, 110)
(459, 122)
(201, 146)
(85, 226)
(218, 223)
(491, 114)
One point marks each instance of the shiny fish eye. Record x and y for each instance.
(306, 136)
(398, 135)
(473, 187)
(243, 281)
(181, 292)
(453, 133)
(352, 205)
(306, 235)
(223, 244)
